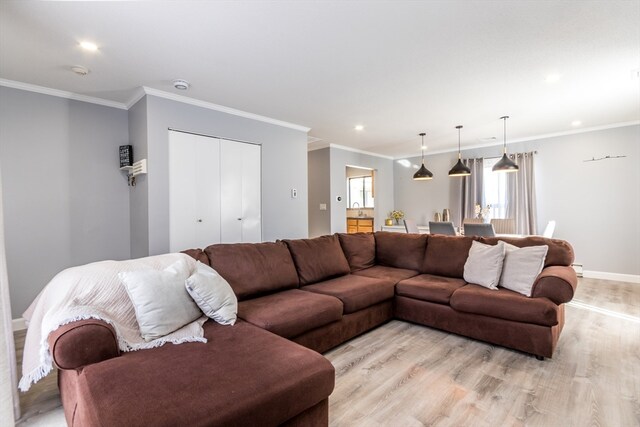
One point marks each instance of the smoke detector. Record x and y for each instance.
(181, 84)
(80, 70)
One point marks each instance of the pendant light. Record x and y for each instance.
(505, 164)
(459, 169)
(423, 173)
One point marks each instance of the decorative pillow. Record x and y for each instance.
(161, 303)
(484, 264)
(213, 294)
(318, 259)
(522, 266)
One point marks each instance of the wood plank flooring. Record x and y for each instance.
(409, 375)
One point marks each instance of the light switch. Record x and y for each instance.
(294, 193)
(323, 206)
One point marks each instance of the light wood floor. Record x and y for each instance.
(409, 375)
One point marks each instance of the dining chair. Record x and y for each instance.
(549, 229)
(442, 228)
(411, 226)
(472, 221)
(482, 230)
(504, 226)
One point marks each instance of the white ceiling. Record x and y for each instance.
(395, 67)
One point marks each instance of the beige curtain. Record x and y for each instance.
(9, 404)
(521, 194)
(471, 189)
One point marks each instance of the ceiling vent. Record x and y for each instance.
(80, 70)
(181, 84)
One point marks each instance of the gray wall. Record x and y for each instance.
(596, 204)
(65, 201)
(319, 193)
(384, 197)
(139, 194)
(284, 166)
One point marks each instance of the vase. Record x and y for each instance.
(397, 221)
(446, 215)
(437, 217)
(388, 222)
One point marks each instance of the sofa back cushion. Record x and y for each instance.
(318, 259)
(400, 250)
(197, 254)
(254, 269)
(360, 250)
(560, 251)
(446, 255)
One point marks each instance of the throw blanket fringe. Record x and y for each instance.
(93, 291)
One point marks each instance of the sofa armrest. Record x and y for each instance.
(558, 283)
(82, 343)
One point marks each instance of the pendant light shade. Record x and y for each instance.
(505, 164)
(459, 169)
(423, 173)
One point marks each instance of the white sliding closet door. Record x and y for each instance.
(240, 194)
(214, 191)
(194, 191)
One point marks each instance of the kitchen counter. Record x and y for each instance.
(359, 217)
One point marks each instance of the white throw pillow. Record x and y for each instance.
(213, 294)
(522, 266)
(161, 303)
(484, 264)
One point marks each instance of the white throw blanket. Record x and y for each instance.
(93, 291)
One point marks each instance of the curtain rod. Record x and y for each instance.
(498, 157)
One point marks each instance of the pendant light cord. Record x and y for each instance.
(422, 146)
(504, 118)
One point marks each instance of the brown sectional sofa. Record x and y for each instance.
(314, 292)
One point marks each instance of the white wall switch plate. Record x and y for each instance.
(294, 193)
(323, 206)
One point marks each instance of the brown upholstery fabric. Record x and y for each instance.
(560, 252)
(198, 255)
(505, 304)
(400, 250)
(535, 339)
(360, 250)
(254, 269)
(556, 283)
(318, 259)
(446, 255)
(316, 416)
(351, 325)
(355, 292)
(390, 273)
(242, 376)
(290, 313)
(429, 288)
(83, 342)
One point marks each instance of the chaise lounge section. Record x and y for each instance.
(296, 296)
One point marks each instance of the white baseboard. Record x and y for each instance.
(630, 278)
(18, 324)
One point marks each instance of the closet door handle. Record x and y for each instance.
(239, 219)
(199, 220)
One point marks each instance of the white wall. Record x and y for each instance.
(596, 204)
(65, 200)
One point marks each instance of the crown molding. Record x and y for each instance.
(356, 150)
(221, 108)
(61, 94)
(138, 94)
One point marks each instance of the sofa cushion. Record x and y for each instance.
(318, 259)
(504, 304)
(360, 250)
(427, 287)
(391, 273)
(446, 255)
(254, 269)
(243, 375)
(355, 292)
(560, 251)
(291, 313)
(521, 267)
(400, 250)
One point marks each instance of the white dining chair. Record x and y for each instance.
(411, 226)
(504, 226)
(549, 229)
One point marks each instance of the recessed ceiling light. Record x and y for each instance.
(91, 47)
(181, 84)
(80, 70)
(359, 127)
(423, 147)
(576, 123)
(552, 78)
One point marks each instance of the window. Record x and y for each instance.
(360, 193)
(494, 189)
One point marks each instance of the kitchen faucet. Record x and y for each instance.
(353, 206)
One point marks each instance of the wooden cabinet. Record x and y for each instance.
(359, 225)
